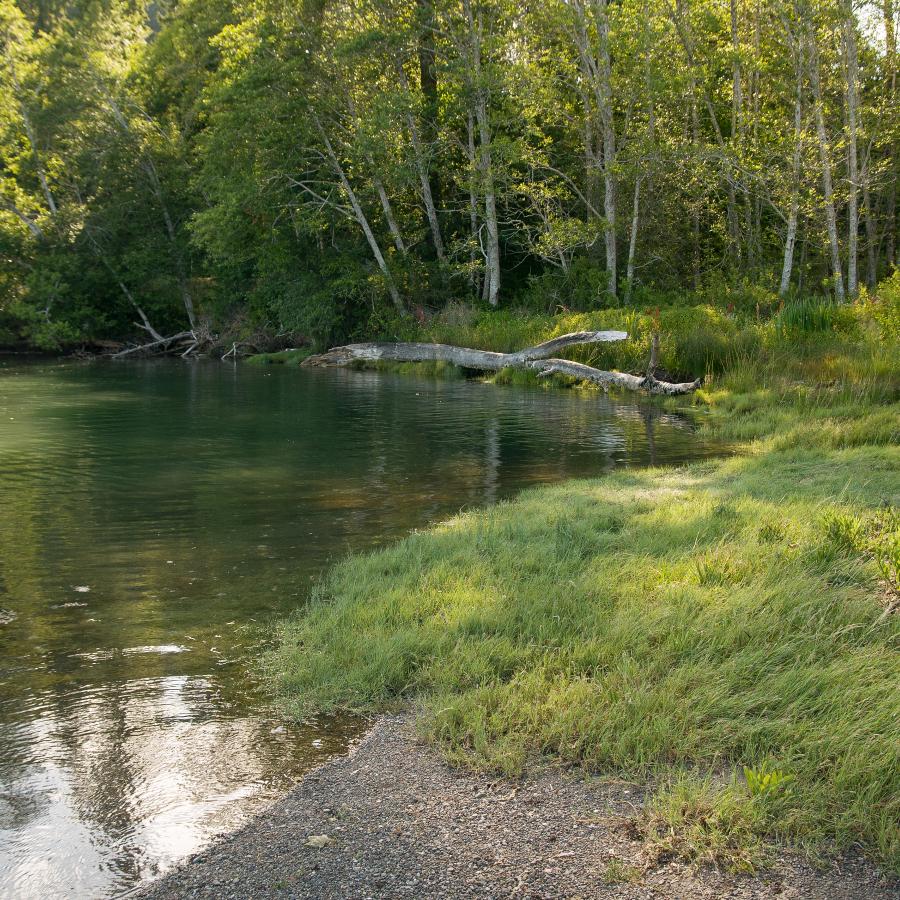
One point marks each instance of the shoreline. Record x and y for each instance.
(395, 820)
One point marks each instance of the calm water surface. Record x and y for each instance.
(156, 516)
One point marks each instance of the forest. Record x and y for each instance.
(330, 169)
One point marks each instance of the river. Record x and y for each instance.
(157, 517)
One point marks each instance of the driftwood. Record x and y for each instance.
(193, 340)
(539, 358)
(162, 343)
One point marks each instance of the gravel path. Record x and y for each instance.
(398, 822)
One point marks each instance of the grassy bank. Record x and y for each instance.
(723, 628)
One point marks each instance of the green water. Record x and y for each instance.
(156, 516)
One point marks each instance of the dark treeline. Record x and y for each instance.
(324, 167)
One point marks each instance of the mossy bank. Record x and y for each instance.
(725, 629)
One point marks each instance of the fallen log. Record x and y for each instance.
(540, 358)
(483, 360)
(613, 379)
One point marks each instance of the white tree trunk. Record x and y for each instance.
(890, 33)
(485, 165)
(791, 236)
(825, 158)
(852, 167)
(26, 220)
(632, 240)
(598, 67)
(539, 359)
(473, 195)
(389, 217)
(422, 172)
(871, 231)
(153, 178)
(32, 137)
(363, 222)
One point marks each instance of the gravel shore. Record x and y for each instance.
(393, 820)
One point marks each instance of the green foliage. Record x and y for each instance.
(766, 782)
(272, 165)
(801, 318)
(619, 872)
(876, 537)
(582, 288)
(884, 307)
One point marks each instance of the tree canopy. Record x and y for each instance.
(325, 167)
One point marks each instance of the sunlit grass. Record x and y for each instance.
(706, 619)
(636, 622)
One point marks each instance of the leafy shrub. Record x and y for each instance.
(766, 782)
(884, 307)
(582, 288)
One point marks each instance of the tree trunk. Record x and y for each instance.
(429, 84)
(490, 205)
(825, 158)
(636, 203)
(153, 178)
(492, 274)
(891, 64)
(423, 170)
(31, 136)
(26, 220)
(852, 168)
(363, 222)
(389, 217)
(687, 43)
(598, 70)
(473, 196)
(632, 240)
(791, 237)
(609, 144)
(871, 230)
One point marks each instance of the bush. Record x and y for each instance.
(884, 307)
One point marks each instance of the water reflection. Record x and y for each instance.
(114, 783)
(155, 516)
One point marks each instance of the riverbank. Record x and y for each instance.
(726, 631)
(393, 820)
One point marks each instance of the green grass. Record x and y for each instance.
(280, 358)
(722, 617)
(619, 872)
(701, 821)
(698, 339)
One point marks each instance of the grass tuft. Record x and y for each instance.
(699, 821)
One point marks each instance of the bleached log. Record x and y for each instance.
(612, 379)
(539, 358)
(466, 358)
